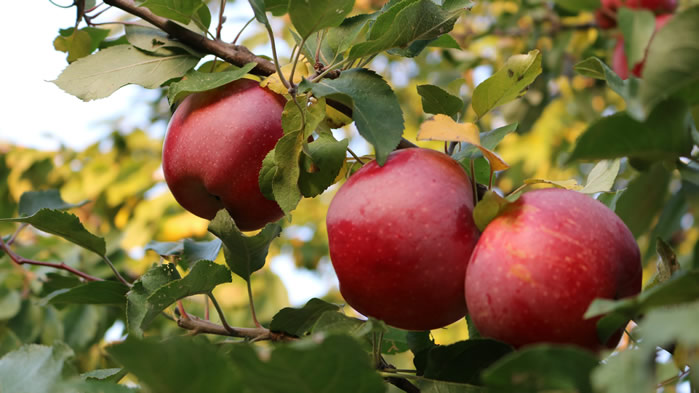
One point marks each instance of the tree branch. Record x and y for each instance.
(198, 325)
(234, 54)
(20, 260)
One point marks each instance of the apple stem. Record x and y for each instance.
(252, 306)
(473, 183)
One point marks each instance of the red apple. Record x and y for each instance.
(213, 152)
(539, 265)
(619, 59)
(657, 6)
(400, 236)
(606, 14)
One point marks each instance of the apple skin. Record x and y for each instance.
(539, 265)
(619, 59)
(400, 237)
(213, 151)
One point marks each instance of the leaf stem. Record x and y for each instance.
(221, 19)
(221, 315)
(276, 58)
(252, 305)
(242, 29)
(356, 157)
(116, 272)
(19, 260)
(14, 235)
(296, 60)
(473, 182)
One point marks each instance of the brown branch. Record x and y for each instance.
(20, 260)
(197, 326)
(234, 54)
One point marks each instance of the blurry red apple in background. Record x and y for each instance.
(619, 59)
(606, 14)
(539, 265)
(213, 152)
(400, 237)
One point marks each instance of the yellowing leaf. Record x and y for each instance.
(273, 82)
(496, 163)
(570, 184)
(335, 118)
(444, 128)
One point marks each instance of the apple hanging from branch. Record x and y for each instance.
(213, 151)
(542, 261)
(400, 237)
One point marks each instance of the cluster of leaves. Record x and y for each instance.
(648, 176)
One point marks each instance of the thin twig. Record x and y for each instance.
(20, 260)
(296, 60)
(116, 272)
(221, 19)
(14, 235)
(206, 307)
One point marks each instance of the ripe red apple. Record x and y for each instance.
(606, 14)
(213, 152)
(400, 237)
(619, 59)
(539, 265)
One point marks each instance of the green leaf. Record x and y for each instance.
(681, 288)
(508, 83)
(258, 7)
(592, 67)
(664, 135)
(339, 365)
(579, 5)
(101, 74)
(637, 27)
(627, 89)
(426, 19)
(669, 222)
(339, 39)
(299, 321)
(437, 100)
(636, 368)
(602, 176)
(543, 367)
(277, 7)
(375, 108)
(178, 10)
(153, 40)
(464, 361)
(10, 303)
(663, 78)
(203, 278)
(643, 199)
(32, 201)
(64, 225)
(94, 292)
(33, 368)
(293, 119)
(79, 43)
(489, 140)
(327, 156)
(266, 176)
(137, 298)
(194, 251)
(309, 16)
(244, 255)
(488, 208)
(445, 41)
(669, 325)
(165, 249)
(287, 154)
(180, 364)
(195, 81)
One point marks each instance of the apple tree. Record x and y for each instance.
(505, 191)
